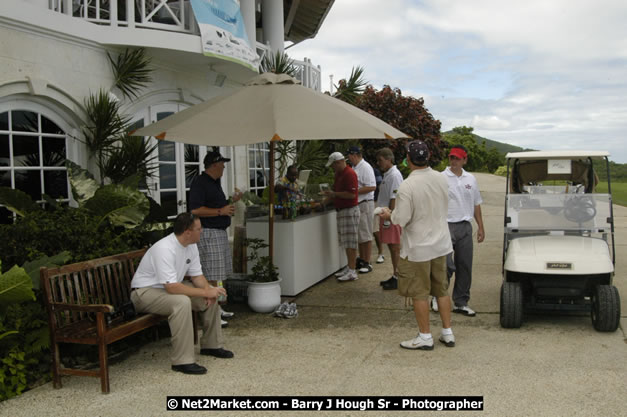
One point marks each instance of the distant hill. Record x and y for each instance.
(500, 146)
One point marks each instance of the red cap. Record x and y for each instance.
(458, 152)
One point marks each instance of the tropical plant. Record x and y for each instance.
(407, 114)
(15, 287)
(24, 333)
(130, 156)
(131, 71)
(310, 154)
(285, 150)
(104, 127)
(278, 63)
(117, 154)
(350, 90)
(263, 269)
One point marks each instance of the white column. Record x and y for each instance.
(247, 8)
(272, 21)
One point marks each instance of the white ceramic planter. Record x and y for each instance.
(264, 297)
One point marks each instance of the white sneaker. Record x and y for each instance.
(448, 340)
(418, 343)
(465, 310)
(224, 323)
(226, 314)
(349, 276)
(342, 271)
(434, 304)
(380, 259)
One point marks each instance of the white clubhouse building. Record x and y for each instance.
(53, 55)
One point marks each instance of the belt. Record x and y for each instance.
(463, 221)
(344, 208)
(365, 201)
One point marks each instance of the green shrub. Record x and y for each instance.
(502, 171)
(73, 229)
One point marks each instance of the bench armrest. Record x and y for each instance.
(88, 308)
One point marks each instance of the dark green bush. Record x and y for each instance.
(64, 228)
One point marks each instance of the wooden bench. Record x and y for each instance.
(82, 300)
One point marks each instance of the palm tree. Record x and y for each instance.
(132, 71)
(349, 90)
(278, 63)
(117, 154)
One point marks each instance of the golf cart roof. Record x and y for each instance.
(557, 155)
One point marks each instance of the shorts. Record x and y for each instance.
(366, 211)
(347, 227)
(215, 254)
(420, 279)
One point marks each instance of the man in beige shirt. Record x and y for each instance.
(421, 208)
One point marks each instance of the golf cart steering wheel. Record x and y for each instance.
(579, 209)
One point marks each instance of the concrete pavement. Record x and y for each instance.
(346, 342)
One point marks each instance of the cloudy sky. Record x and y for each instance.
(541, 74)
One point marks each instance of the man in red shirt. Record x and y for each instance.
(344, 197)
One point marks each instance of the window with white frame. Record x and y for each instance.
(33, 150)
(258, 167)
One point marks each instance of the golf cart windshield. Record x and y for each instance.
(555, 193)
(548, 209)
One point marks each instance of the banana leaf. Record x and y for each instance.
(83, 184)
(32, 267)
(17, 201)
(121, 205)
(15, 286)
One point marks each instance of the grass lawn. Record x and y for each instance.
(619, 192)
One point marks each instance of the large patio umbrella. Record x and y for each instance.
(270, 107)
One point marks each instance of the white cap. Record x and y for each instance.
(335, 156)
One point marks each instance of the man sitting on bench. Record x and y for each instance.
(158, 288)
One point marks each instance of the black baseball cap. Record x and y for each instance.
(418, 151)
(213, 157)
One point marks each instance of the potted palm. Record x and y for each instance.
(264, 284)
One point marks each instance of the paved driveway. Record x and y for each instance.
(346, 342)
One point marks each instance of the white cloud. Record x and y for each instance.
(489, 123)
(535, 74)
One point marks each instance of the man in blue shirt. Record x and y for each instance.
(208, 201)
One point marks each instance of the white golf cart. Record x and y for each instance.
(558, 247)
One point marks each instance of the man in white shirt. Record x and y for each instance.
(421, 207)
(464, 204)
(389, 233)
(367, 184)
(158, 288)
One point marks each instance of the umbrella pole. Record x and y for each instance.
(271, 197)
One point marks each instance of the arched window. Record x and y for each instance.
(33, 150)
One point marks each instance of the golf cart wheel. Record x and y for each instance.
(511, 305)
(605, 311)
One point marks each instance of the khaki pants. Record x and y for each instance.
(179, 308)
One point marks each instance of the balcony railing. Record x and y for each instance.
(170, 15)
(309, 75)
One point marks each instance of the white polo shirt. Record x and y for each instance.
(167, 262)
(392, 179)
(463, 196)
(365, 178)
(421, 204)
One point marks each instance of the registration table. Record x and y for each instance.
(306, 249)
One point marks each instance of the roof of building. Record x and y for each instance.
(303, 18)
